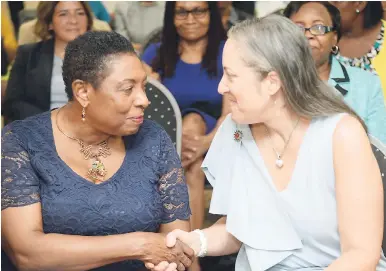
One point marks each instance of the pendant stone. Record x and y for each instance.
(279, 162)
(97, 172)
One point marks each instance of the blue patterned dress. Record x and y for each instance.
(148, 190)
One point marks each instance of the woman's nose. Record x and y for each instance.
(222, 87)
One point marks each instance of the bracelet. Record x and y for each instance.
(203, 243)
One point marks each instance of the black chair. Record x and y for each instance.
(164, 110)
(379, 150)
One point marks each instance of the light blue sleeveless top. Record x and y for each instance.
(295, 229)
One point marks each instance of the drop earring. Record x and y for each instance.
(84, 114)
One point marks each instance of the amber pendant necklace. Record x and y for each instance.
(97, 171)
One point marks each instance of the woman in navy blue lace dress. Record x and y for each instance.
(93, 185)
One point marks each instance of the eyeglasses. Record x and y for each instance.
(197, 13)
(318, 29)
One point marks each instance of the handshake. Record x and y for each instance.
(181, 249)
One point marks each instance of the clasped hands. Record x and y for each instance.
(183, 247)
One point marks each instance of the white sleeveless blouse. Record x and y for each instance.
(295, 229)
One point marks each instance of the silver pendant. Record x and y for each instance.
(279, 162)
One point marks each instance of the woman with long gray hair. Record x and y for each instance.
(291, 167)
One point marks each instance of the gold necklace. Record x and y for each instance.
(97, 171)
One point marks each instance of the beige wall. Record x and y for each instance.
(30, 4)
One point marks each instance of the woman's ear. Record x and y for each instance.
(274, 83)
(335, 39)
(81, 92)
(360, 5)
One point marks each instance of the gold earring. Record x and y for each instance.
(84, 114)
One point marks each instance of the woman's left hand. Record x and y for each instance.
(190, 239)
(193, 147)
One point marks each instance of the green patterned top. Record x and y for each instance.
(365, 62)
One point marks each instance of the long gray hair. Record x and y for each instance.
(274, 43)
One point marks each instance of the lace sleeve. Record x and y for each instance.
(172, 185)
(19, 183)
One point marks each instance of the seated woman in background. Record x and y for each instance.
(188, 62)
(84, 188)
(363, 34)
(27, 35)
(361, 90)
(35, 84)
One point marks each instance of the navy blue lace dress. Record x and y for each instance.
(149, 189)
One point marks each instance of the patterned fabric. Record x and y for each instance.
(365, 62)
(149, 188)
(161, 111)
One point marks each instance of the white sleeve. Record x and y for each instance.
(217, 166)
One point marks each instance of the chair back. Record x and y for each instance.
(164, 110)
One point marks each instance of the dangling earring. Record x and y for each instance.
(335, 49)
(357, 11)
(84, 114)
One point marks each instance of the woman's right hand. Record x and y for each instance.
(191, 239)
(154, 250)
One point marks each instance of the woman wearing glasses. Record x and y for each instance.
(188, 62)
(363, 35)
(361, 90)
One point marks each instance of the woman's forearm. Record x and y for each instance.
(355, 260)
(71, 252)
(220, 242)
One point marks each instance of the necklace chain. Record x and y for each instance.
(280, 155)
(97, 171)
